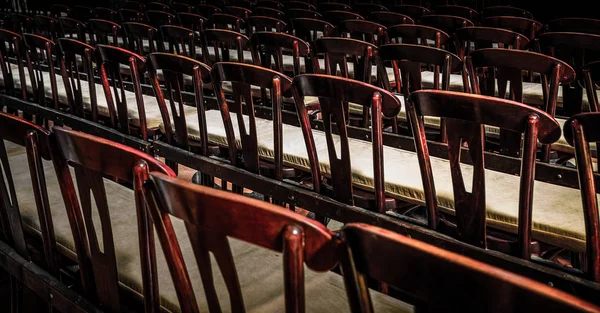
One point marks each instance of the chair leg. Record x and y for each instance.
(16, 295)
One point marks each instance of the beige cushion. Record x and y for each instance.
(557, 211)
(260, 270)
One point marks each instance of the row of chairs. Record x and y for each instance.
(428, 275)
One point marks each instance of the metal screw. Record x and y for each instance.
(559, 176)
(550, 284)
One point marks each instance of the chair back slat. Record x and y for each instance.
(310, 29)
(71, 72)
(40, 53)
(12, 45)
(223, 41)
(268, 45)
(104, 32)
(137, 36)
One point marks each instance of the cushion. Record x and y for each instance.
(260, 270)
(557, 211)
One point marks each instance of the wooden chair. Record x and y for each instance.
(265, 24)
(72, 28)
(128, 15)
(242, 78)
(457, 10)
(226, 21)
(270, 4)
(192, 21)
(414, 11)
(333, 6)
(158, 6)
(579, 131)
(388, 19)
(110, 60)
(575, 24)
(37, 142)
(159, 18)
(334, 93)
(47, 27)
(418, 34)
(301, 13)
(81, 13)
(239, 12)
(521, 25)
(212, 216)
(132, 5)
(223, 42)
(576, 49)
(335, 17)
(368, 31)
(179, 7)
(207, 10)
(104, 32)
(70, 67)
(407, 62)
(176, 71)
(59, 10)
(465, 116)
(268, 45)
(437, 280)
(310, 29)
(11, 44)
(246, 4)
(274, 13)
(506, 11)
(449, 24)
(21, 23)
(39, 53)
(138, 34)
(107, 14)
(180, 40)
(590, 79)
(478, 37)
(365, 9)
(505, 65)
(94, 159)
(293, 5)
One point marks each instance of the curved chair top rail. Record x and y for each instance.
(302, 13)
(590, 122)
(419, 53)
(342, 45)
(417, 31)
(121, 56)
(414, 11)
(291, 5)
(18, 130)
(491, 34)
(570, 39)
(178, 63)
(37, 41)
(505, 114)
(333, 6)
(361, 26)
(344, 89)
(513, 23)
(226, 35)
(337, 16)
(502, 10)
(446, 22)
(280, 40)
(103, 25)
(388, 19)
(524, 60)
(575, 24)
(270, 12)
(139, 30)
(457, 10)
(74, 47)
(250, 74)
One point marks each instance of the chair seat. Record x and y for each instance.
(557, 210)
(260, 271)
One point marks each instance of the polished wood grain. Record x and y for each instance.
(213, 215)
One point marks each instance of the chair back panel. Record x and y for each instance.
(71, 71)
(39, 54)
(12, 45)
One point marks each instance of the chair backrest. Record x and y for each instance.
(158, 18)
(336, 51)
(268, 45)
(334, 93)
(575, 24)
(239, 12)
(81, 12)
(40, 53)
(363, 30)
(591, 77)
(302, 13)
(465, 116)
(449, 24)
(37, 141)
(158, 6)
(479, 37)
(181, 40)
(246, 4)
(242, 77)
(265, 24)
(270, 4)
(508, 65)
(437, 280)
(226, 21)
(270, 12)
(110, 60)
(388, 19)
(192, 21)
(12, 45)
(77, 58)
(72, 28)
(457, 10)
(310, 29)
(414, 11)
(502, 10)
(335, 17)
(94, 159)
(580, 130)
(47, 26)
(179, 7)
(176, 71)
(59, 10)
(292, 5)
(107, 14)
(333, 6)
(210, 217)
(521, 25)
(222, 42)
(104, 32)
(130, 15)
(21, 23)
(365, 9)
(137, 36)
(417, 34)
(207, 10)
(133, 5)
